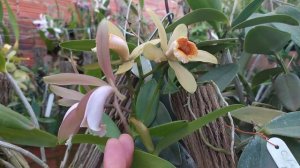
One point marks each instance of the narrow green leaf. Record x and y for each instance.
(256, 155)
(265, 40)
(13, 22)
(193, 126)
(265, 75)
(146, 160)
(213, 49)
(250, 8)
(278, 18)
(197, 4)
(33, 137)
(79, 45)
(221, 75)
(199, 15)
(112, 129)
(1, 13)
(287, 90)
(164, 129)
(2, 62)
(147, 102)
(256, 115)
(285, 125)
(216, 42)
(5, 34)
(13, 120)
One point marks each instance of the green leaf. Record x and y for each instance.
(221, 75)
(13, 120)
(256, 115)
(1, 13)
(111, 128)
(5, 34)
(79, 45)
(214, 46)
(33, 137)
(256, 155)
(89, 139)
(265, 40)
(196, 4)
(147, 102)
(199, 15)
(285, 125)
(146, 160)
(250, 8)
(279, 18)
(13, 22)
(265, 75)
(213, 49)
(289, 10)
(2, 62)
(287, 90)
(164, 129)
(192, 126)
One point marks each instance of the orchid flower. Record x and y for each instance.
(117, 43)
(118, 153)
(44, 23)
(99, 4)
(86, 110)
(178, 49)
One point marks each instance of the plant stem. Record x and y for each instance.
(168, 11)
(280, 61)
(233, 10)
(24, 152)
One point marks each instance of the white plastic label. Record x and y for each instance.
(281, 154)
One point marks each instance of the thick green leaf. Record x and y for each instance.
(199, 15)
(173, 137)
(221, 75)
(112, 129)
(164, 129)
(147, 102)
(33, 137)
(197, 4)
(265, 40)
(265, 75)
(285, 125)
(13, 120)
(278, 18)
(256, 155)
(256, 115)
(287, 90)
(146, 160)
(79, 45)
(13, 22)
(289, 10)
(89, 139)
(250, 8)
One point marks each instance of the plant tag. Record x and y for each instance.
(281, 154)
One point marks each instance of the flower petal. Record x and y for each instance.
(139, 49)
(128, 146)
(161, 30)
(180, 31)
(71, 109)
(71, 124)
(126, 66)
(119, 45)
(95, 106)
(66, 93)
(184, 77)
(204, 56)
(66, 102)
(73, 79)
(154, 53)
(114, 154)
(102, 44)
(115, 30)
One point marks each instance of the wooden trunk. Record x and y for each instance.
(5, 89)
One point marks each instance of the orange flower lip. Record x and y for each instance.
(187, 47)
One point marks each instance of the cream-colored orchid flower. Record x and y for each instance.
(117, 43)
(178, 49)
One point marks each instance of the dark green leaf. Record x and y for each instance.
(173, 137)
(250, 8)
(89, 139)
(256, 155)
(267, 19)
(2, 62)
(265, 75)
(79, 45)
(265, 40)
(13, 21)
(221, 75)
(199, 15)
(111, 128)
(285, 125)
(215, 42)
(33, 137)
(256, 115)
(289, 10)
(287, 90)
(146, 160)
(197, 4)
(213, 49)
(1, 13)
(13, 120)
(147, 102)
(5, 34)
(164, 129)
